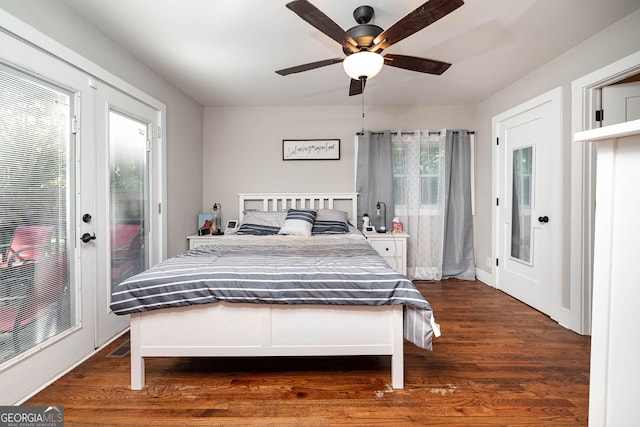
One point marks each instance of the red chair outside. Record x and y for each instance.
(29, 244)
(40, 303)
(127, 256)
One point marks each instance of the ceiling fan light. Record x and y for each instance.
(363, 64)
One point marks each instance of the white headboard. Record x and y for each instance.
(347, 202)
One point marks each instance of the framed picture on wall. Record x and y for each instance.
(310, 149)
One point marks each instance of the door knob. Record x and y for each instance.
(543, 219)
(86, 237)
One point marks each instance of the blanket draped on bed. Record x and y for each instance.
(279, 270)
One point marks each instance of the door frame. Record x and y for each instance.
(585, 100)
(554, 98)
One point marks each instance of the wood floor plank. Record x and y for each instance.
(498, 362)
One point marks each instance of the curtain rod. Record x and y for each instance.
(410, 133)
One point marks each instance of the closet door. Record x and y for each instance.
(621, 103)
(528, 210)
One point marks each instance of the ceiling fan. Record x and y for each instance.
(364, 43)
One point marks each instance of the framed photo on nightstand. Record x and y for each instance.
(205, 223)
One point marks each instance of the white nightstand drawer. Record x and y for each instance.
(387, 247)
(195, 240)
(392, 247)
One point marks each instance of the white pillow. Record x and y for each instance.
(299, 222)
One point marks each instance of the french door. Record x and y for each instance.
(78, 171)
(125, 128)
(46, 298)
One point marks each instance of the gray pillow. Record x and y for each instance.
(265, 218)
(331, 221)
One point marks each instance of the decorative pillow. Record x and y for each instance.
(267, 218)
(299, 222)
(257, 229)
(331, 221)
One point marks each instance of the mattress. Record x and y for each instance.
(323, 269)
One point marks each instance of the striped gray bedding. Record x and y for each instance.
(332, 269)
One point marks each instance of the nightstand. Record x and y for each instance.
(392, 247)
(195, 240)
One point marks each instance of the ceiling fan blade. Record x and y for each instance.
(309, 66)
(356, 87)
(322, 22)
(415, 21)
(413, 63)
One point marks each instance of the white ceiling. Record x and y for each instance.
(225, 52)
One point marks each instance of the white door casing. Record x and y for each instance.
(532, 277)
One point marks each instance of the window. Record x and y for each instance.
(417, 170)
(430, 159)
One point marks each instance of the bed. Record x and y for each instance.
(246, 295)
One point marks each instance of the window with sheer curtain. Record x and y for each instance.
(427, 178)
(418, 175)
(432, 197)
(35, 135)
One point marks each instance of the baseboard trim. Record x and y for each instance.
(69, 369)
(485, 277)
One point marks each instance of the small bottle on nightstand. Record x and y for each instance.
(396, 225)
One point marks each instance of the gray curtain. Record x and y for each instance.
(458, 259)
(374, 177)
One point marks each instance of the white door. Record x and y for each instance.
(43, 186)
(125, 131)
(621, 103)
(528, 217)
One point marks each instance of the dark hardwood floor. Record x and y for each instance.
(498, 362)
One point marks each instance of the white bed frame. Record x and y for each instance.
(241, 330)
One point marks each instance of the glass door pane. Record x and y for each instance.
(125, 131)
(36, 299)
(128, 190)
(521, 234)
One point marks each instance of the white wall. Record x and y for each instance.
(184, 116)
(612, 44)
(243, 146)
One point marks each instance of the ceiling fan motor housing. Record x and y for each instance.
(364, 35)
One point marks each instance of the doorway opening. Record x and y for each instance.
(586, 94)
